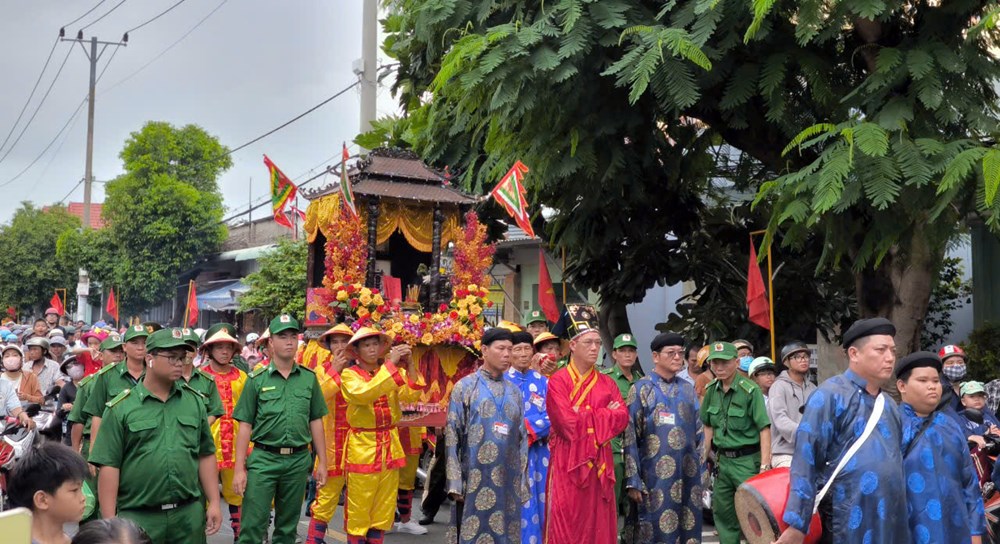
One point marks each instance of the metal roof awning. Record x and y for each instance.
(222, 299)
(246, 254)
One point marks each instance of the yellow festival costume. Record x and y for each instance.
(225, 428)
(374, 454)
(335, 430)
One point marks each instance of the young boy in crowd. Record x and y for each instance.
(49, 482)
(974, 397)
(762, 373)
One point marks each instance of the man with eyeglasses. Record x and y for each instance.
(160, 424)
(586, 411)
(786, 399)
(737, 427)
(625, 371)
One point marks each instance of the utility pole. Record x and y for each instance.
(83, 284)
(369, 60)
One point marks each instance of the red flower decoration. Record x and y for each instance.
(355, 302)
(443, 308)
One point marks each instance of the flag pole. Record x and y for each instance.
(562, 277)
(187, 304)
(770, 291)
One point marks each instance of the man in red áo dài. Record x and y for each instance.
(586, 411)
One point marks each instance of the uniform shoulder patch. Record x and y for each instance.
(104, 369)
(87, 379)
(258, 372)
(748, 386)
(607, 370)
(190, 389)
(121, 396)
(206, 375)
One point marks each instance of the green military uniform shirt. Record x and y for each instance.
(205, 384)
(155, 444)
(109, 382)
(240, 363)
(736, 416)
(280, 409)
(623, 383)
(76, 415)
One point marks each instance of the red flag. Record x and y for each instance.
(760, 312)
(192, 305)
(112, 307)
(546, 295)
(300, 213)
(510, 194)
(56, 303)
(282, 191)
(12, 312)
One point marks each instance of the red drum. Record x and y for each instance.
(760, 504)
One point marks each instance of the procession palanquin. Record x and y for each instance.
(414, 264)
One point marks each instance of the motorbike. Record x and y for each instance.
(15, 442)
(48, 425)
(984, 460)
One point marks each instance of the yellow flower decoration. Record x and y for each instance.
(342, 296)
(365, 299)
(463, 313)
(366, 291)
(475, 309)
(362, 311)
(415, 319)
(397, 327)
(378, 300)
(427, 338)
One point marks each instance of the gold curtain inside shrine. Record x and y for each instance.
(414, 220)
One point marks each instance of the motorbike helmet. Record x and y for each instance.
(252, 337)
(952, 350)
(792, 348)
(37, 341)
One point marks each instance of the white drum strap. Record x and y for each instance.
(869, 427)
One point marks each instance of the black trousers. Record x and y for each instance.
(434, 489)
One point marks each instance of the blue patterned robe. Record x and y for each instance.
(942, 489)
(487, 449)
(534, 388)
(663, 447)
(866, 498)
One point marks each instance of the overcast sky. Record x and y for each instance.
(251, 66)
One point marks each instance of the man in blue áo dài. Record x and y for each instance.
(486, 450)
(942, 489)
(663, 449)
(533, 388)
(864, 503)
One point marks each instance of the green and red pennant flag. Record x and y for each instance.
(57, 304)
(346, 193)
(757, 306)
(510, 194)
(282, 191)
(112, 307)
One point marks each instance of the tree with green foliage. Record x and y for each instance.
(279, 286)
(868, 126)
(162, 216)
(34, 271)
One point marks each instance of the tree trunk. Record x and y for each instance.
(612, 318)
(900, 290)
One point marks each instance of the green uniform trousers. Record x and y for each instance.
(181, 525)
(732, 473)
(278, 478)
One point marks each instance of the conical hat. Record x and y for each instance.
(340, 329)
(220, 337)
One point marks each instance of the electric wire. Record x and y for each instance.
(161, 14)
(169, 47)
(74, 21)
(38, 107)
(63, 199)
(95, 21)
(31, 95)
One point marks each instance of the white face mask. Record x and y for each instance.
(12, 364)
(75, 372)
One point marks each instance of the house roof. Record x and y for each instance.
(96, 221)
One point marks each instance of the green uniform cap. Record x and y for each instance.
(535, 316)
(625, 340)
(218, 327)
(135, 331)
(111, 342)
(282, 323)
(191, 338)
(972, 388)
(721, 350)
(167, 339)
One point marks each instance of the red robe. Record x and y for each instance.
(581, 487)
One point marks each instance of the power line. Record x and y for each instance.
(171, 46)
(74, 21)
(161, 14)
(71, 191)
(95, 21)
(31, 95)
(38, 107)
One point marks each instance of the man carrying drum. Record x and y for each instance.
(864, 503)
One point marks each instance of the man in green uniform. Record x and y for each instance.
(238, 360)
(737, 426)
(624, 372)
(111, 354)
(281, 410)
(200, 381)
(156, 453)
(535, 323)
(124, 375)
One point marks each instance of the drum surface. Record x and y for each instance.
(760, 505)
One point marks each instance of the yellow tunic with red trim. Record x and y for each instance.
(335, 422)
(225, 428)
(373, 413)
(412, 440)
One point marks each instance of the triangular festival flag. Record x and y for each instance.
(112, 307)
(760, 312)
(346, 193)
(510, 194)
(192, 305)
(282, 190)
(546, 294)
(57, 303)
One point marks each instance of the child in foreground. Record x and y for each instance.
(49, 482)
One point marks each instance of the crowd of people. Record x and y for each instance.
(542, 444)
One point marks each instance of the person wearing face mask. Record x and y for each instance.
(67, 395)
(25, 383)
(10, 404)
(953, 360)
